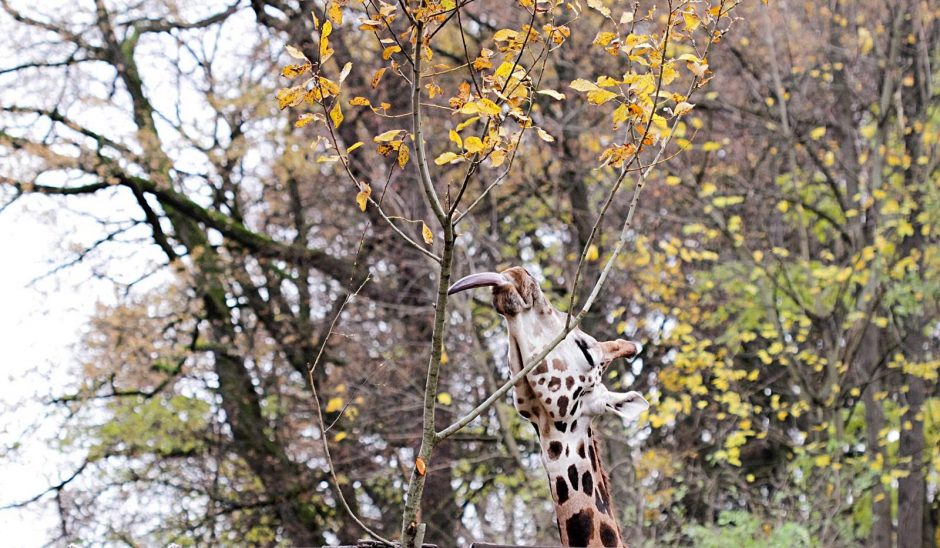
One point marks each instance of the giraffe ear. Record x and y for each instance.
(628, 405)
(611, 350)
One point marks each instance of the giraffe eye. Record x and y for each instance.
(584, 349)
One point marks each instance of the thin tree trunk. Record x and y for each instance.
(911, 489)
(880, 534)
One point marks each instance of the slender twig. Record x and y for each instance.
(324, 430)
(424, 173)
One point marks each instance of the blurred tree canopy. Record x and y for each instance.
(782, 272)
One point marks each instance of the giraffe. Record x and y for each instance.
(560, 397)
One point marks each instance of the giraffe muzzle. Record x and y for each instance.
(482, 279)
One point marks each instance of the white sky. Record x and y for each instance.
(38, 327)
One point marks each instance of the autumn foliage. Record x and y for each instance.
(754, 183)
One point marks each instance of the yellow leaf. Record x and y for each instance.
(466, 123)
(334, 405)
(486, 106)
(389, 51)
(592, 253)
(620, 115)
(672, 180)
(600, 96)
(444, 398)
(325, 50)
(552, 93)
(473, 144)
(599, 6)
(692, 21)
(340, 436)
(377, 76)
(387, 136)
(359, 102)
(336, 114)
(328, 87)
(817, 133)
(708, 189)
(544, 135)
(725, 201)
(583, 85)
(865, 41)
(447, 158)
(335, 13)
(362, 198)
(669, 73)
(604, 38)
(426, 233)
(682, 108)
(455, 138)
(402, 155)
(497, 157)
(710, 146)
(289, 97)
(504, 34)
(420, 466)
(354, 147)
(470, 108)
(822, 461)
(303, 120)
(293, 71)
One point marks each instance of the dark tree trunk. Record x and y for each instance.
(869, 354)
(911, 489)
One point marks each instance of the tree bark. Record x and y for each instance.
(912, 494)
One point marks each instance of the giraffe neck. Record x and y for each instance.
(579, 485)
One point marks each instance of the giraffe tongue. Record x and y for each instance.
(483, 279)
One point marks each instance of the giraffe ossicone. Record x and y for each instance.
(560, 397)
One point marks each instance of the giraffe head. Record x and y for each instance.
(568, 383)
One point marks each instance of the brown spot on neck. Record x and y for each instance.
(579, 528)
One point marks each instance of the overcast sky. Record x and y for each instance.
(39, 326)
